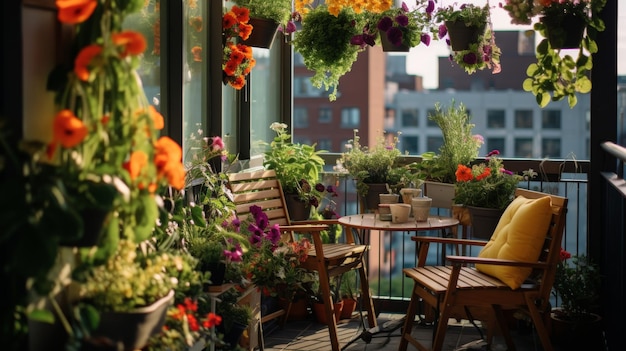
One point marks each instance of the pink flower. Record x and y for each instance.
(217, 144)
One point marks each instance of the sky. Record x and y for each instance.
(422, 60)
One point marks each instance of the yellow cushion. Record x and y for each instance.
(519, 236)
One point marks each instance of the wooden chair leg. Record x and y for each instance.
(366, 297)
(409, 319)
(329, 308)
(442, 328)
(504, 327)
(542, 332)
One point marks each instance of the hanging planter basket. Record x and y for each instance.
(263, 33)
(564, 32)
(388, 46)
(461, 36)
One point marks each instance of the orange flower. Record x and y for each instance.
(133, 42)
(156, 30)
(484, 174)
(242, 13)
(168, 160)
(75, 11)
(230, 68)
(245, 49)
(83, 60)
(175, 174)
(229, 20)
(245, 30)
(138, 160)
(237, 56)
(211, 320)
(463, 174)
(196, 23)
(68, 129)
(157, 118)
(196, 51)
(238, 83)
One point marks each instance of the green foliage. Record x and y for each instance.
(324, 43)
(277, 10)
(557, 75)
(470, 14)
(577, 283)
(460, 146)
(371, 165)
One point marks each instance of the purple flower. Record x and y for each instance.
(507, 172)
(331, 189)
(358, 40)
(235, 254)
(394, 35)
(470, 58)
(404, 7)
(255, 240)
(443, 30)
(291, 27)
(255, 231)
(314, 202)
(262, 221)
(384, 24)
(493, 152)
(402, 20)
(425, 38)
(274, 234)
(369, 39)
(255, 210)
(430, 7)
(320, 187)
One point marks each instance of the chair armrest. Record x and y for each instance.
(308, 228)
(316, 221)
(434, 239)
(494, 261)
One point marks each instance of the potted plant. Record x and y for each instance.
(470, 37)
(398, 29)
(575, 323)
(235, 319)
(486, 189)
(265, 17)
(324, 43)
(371, 167)
(297, 168)
(557, 75)
(237, 59)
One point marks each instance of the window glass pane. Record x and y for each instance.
(495, 119)
(496, 144)
(551, 119)
(409, 144)
(324, 144)
(300, 117)
(410, 117)
(350, 117)
(429, 122)
(523, 147)
(325, 115)
(551, 147)
(523, 119)
(433, 143)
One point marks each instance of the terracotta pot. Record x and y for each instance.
(461, 36)
(320, 311)
(576, 335)
(484, 221)
(349, 306)
(263, 33)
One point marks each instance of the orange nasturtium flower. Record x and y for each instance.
(138, 160)
(486, 173)
(238, 83)
(68, 129)
(157, 118)
(196, 51)
(245, 30)
(463, 174)
(229, 20)
(242, 13)
(168, 161)
(196, 23)
(75, 11)
(83, 60)
(133, 42)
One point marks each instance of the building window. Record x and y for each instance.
(551, 119)
(523, 147)
(433, 143)
(350, 117)
(325, 115)
(410, 118)
(325, 144)
(300, 117)
(495, 119)
(523, 119)
(430, 122)
(551, 147)
(409, 144)
(495, 144)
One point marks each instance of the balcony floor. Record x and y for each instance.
(310, 335)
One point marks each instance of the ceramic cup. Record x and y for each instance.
(400, 213)
(388, 198)
(421, 208)
(409, 193)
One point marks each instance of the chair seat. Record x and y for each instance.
(339, 251)
(436, 278)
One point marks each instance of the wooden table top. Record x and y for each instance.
(370, 221)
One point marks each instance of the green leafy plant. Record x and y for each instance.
(401, 26)
(460, 146)
(370, 165)
(557, 75)
(470, 14)
(297, 165)
(576, 283)
(276, 10)
(487, 185)
(324, 43)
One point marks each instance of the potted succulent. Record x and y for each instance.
(575, 324)
(557, 75)
(398, 29)
(371, 167)
(297, 168)
(470, 37)
(265, 17)
(324, 43)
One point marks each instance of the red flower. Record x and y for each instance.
(68, 129)
(75, 11)
(132, 43)
(211, 320)
(564, 255)
(463, 174)
(83, 60)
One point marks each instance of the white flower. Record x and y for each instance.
(278, 127)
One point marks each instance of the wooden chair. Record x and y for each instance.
(452, 291)
(261, 188)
